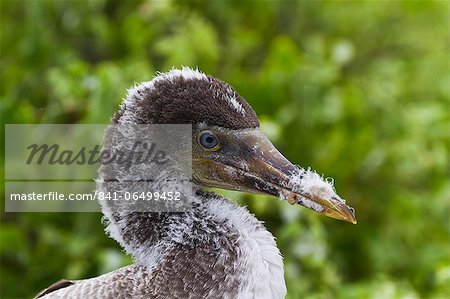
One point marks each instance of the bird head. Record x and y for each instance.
(228, 149)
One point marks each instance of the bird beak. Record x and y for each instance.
(248, 161)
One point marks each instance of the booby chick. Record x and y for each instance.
(217, 249)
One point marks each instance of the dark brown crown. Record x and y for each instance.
(186, 97)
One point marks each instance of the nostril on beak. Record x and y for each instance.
(352, 210)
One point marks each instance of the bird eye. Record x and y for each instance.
(208, 141)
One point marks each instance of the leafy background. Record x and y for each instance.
(358, 90)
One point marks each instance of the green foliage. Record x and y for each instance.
(358, 90)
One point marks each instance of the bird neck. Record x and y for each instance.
(212, 221)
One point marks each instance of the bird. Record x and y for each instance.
(215, 249)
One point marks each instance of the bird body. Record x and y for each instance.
(216, 249)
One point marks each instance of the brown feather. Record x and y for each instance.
(54, 287)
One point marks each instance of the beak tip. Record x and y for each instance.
(350, 217)
(341, 212)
